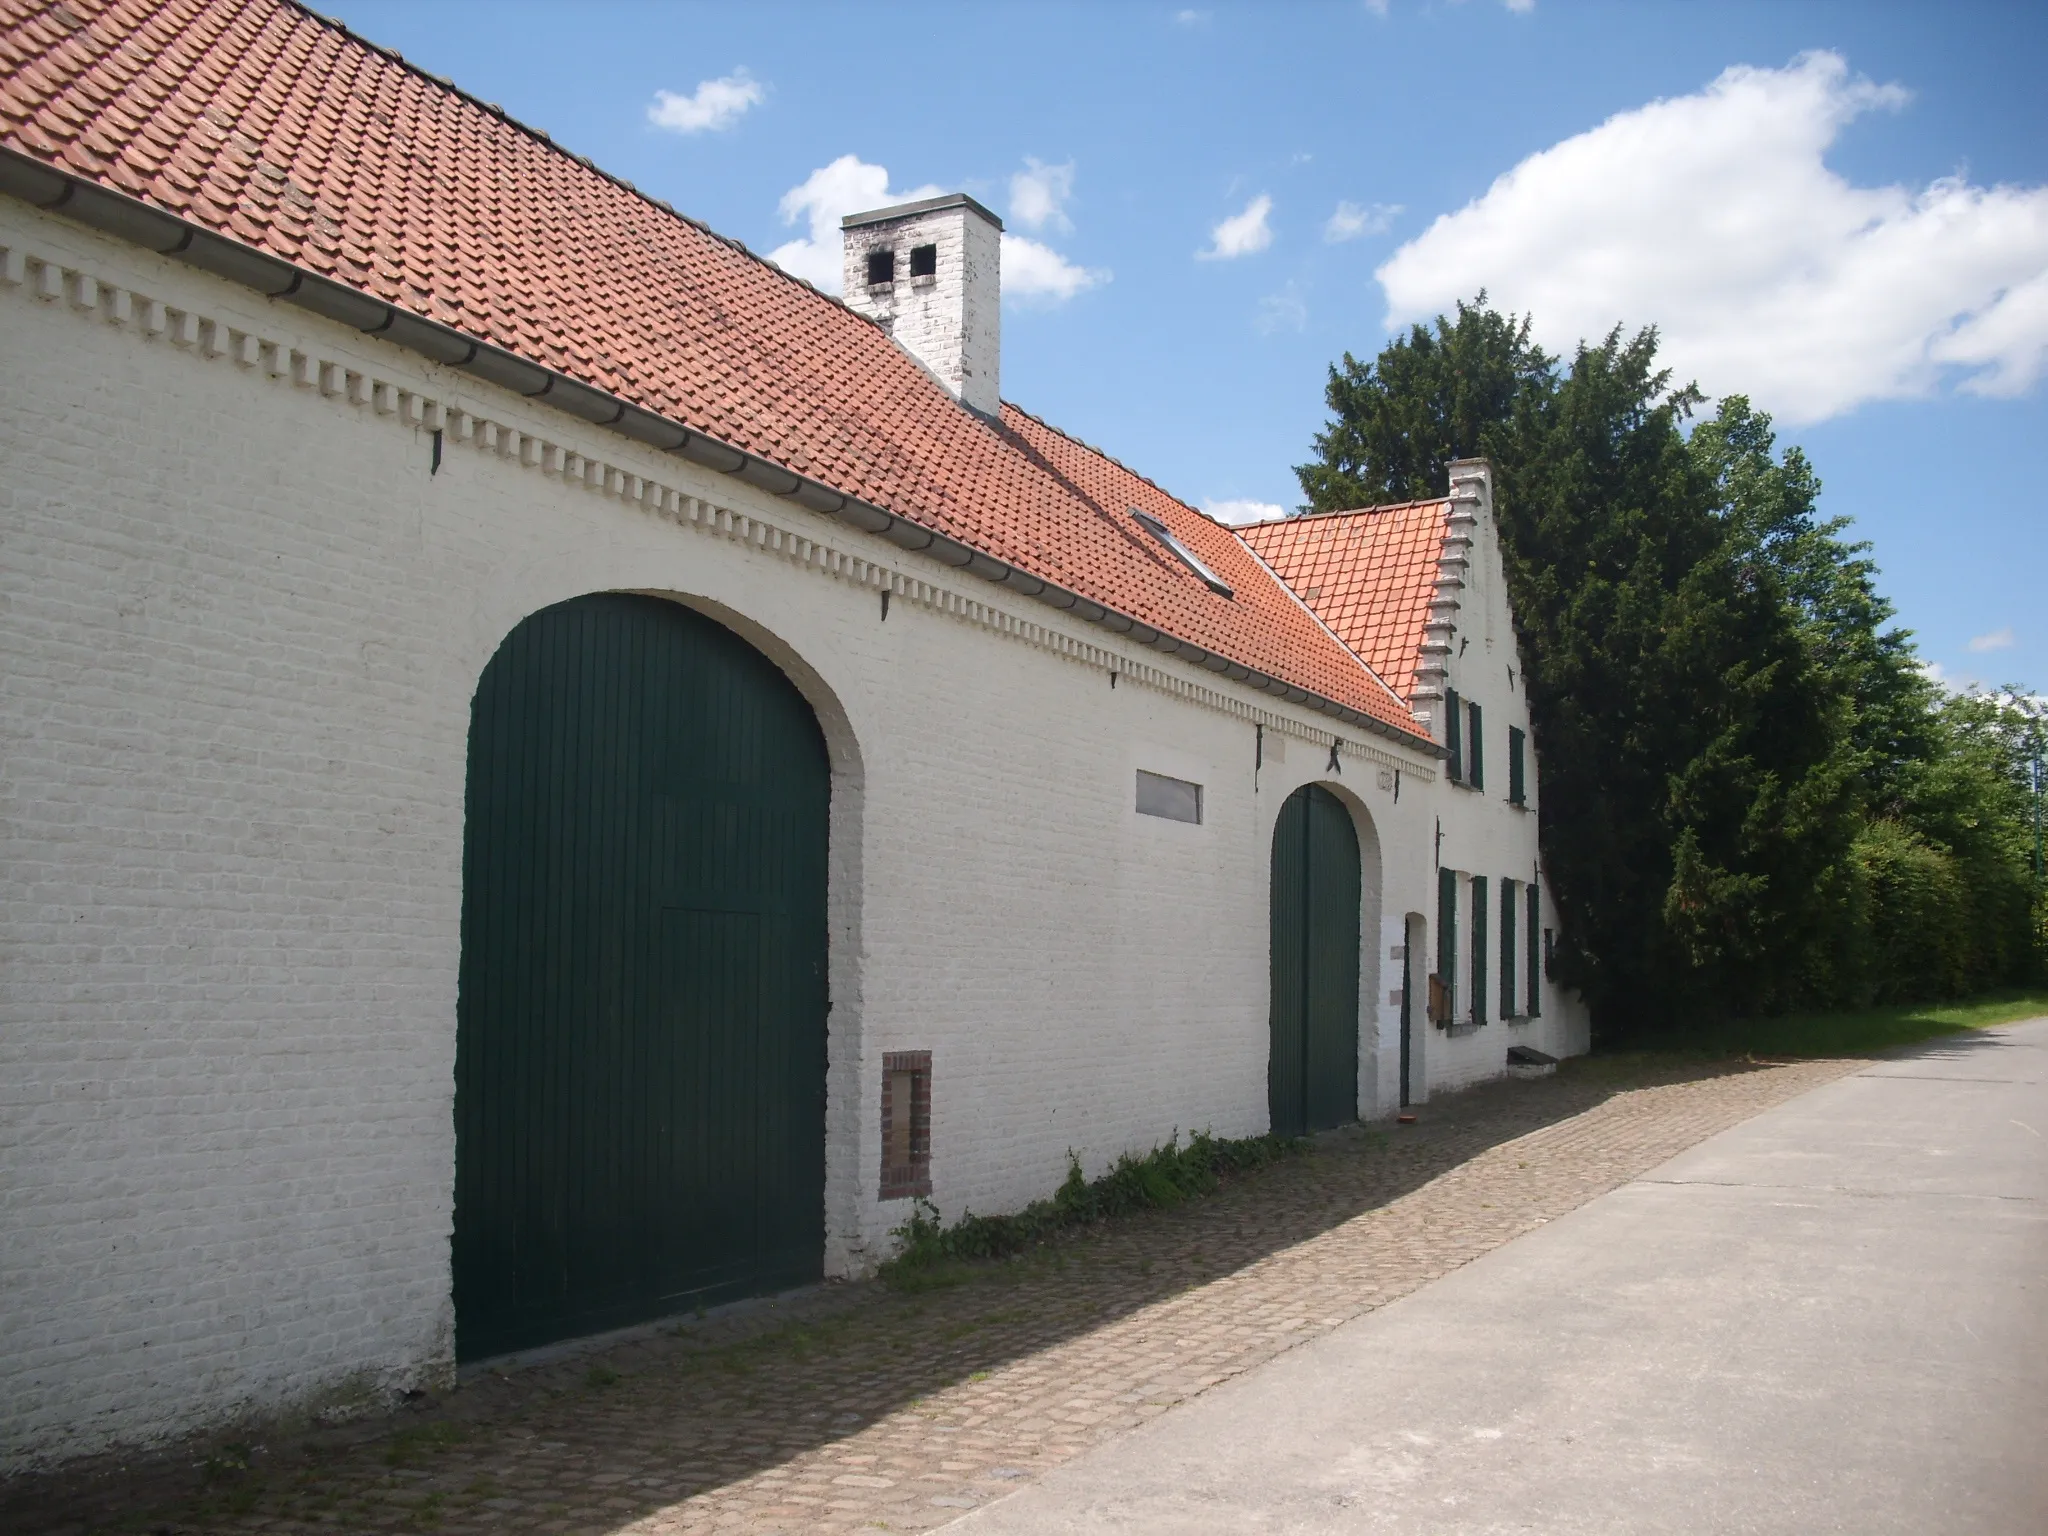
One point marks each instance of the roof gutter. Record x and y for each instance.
(128, 218)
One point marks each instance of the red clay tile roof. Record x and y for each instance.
(260, 121)
(1369, 575)
(1102, 483)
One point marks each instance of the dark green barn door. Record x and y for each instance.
(1312, 1075)
(640, 1045)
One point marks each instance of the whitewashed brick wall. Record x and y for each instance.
(242, 625)
(1483, 833)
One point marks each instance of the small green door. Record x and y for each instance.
(640, 1041)
(1312, 1074)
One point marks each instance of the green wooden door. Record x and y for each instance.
(1312, 1071)
(640, 1044)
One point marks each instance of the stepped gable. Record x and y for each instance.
(273, 126)
(1369, 574)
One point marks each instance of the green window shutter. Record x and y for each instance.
(1476, 759)
(1535, 955)
(1447, 937)
(1454, 736)
(1479, 949)
(1508, 914)
(1518, 784)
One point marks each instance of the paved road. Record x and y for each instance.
(1833, 1317)
(855, 1407)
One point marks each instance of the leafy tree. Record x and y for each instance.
(1976, 796)
(1696, 791)
(1769, 506)
(1676, 705)
(1431, 397)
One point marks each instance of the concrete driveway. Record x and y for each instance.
(1833, 1317)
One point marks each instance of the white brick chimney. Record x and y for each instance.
(931, 274)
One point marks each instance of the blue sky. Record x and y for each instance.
(1841, 210)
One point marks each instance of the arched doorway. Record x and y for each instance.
(640, 1056)
(1312, 1073)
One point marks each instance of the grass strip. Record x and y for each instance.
(1852, 1032)
(930, 1252)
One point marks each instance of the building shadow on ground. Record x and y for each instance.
(725, 1397)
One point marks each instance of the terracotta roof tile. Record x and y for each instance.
(1369, 575)
(268, 123)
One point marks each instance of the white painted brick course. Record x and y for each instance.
(242, 626)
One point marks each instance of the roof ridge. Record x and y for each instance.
(1235, 533)
(546, 141)
(1384, 506)
(1111, 458)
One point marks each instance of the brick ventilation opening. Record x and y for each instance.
(881, 268)
(924, 261)
(906, 1124)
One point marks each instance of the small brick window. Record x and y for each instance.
(906, 1124)
(881, 268)
(924, 261)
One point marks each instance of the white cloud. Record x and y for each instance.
(1715, 217)
(1520, 7)
(1191, 18)
(1031, 272)
(1952, 682)
(1282, 311)
(848, 185)
(1034, 272)
(1354, 219)
(1039, 193)
(1997, 640)
(714, 104)
(1242, 510)
(1377, 7)
(1242, 233)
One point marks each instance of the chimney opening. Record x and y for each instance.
(881, 268)
(924, 261)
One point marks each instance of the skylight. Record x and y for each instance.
(1181, 552)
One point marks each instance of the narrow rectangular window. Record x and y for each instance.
(1175, 799)
(881, 268)
(1475, 759)
(924, 260)
(1510, 910)
(1518, 783)
(1454, 736)
(906, 1124)
(1446, 943)
(1479, 949)
(1535, 977)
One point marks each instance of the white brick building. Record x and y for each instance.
(268, 519)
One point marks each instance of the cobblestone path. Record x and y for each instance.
(853, 1407)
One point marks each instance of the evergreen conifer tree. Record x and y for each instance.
(1694, 790)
